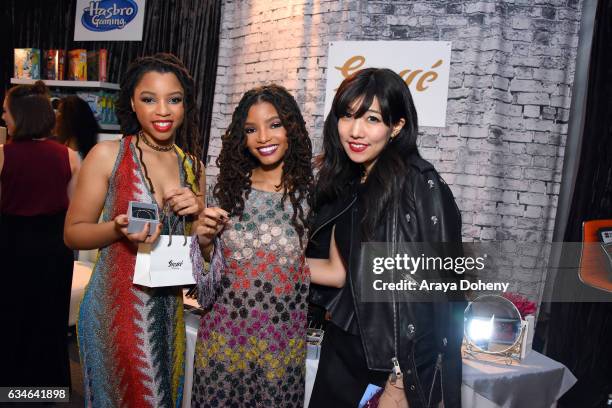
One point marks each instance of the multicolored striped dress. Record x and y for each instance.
(251, 349)
(131, 338)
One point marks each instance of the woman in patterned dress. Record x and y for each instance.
(251, 349)
(132, 338)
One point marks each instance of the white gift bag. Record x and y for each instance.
(165, 263)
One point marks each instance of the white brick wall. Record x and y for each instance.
(277, 41)
(512, 70)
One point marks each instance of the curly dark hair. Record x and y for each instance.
(236, 163)
(188, 134)
(76, 121)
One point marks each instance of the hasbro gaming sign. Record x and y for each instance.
(109, 20)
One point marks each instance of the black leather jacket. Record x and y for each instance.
(425, 336)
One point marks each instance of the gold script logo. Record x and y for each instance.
(421, 76)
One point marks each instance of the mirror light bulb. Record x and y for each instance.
(480, 329)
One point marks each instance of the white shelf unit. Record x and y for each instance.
(79, 84)
(109, 136)
(104, 126)
(69, 84)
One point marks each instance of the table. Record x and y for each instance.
(537, 381)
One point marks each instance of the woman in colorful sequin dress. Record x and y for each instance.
(132, 338)
(251, 346)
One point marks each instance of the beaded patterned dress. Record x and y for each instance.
(131, 338)
(251, 348)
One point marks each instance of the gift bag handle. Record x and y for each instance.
(166, 212)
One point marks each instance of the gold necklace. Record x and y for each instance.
(154, 146)
(275, 188)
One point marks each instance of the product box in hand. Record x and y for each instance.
(77, 65)
(27, 63)
(54, 64)
(96, 65)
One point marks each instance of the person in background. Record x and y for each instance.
(37, 178)
(373, 186)
(76, 126)
(132, 338)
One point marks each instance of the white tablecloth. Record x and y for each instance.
(537, 381)
(486, 384)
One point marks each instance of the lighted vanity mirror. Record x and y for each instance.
(492, 325)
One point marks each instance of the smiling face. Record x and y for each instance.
(266, 137)
(158, 103)
(8, 118)
(364, 138)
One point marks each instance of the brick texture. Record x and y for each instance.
(512, 70)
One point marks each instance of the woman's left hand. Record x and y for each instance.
(184, 202)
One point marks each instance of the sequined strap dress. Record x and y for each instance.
(131, 338)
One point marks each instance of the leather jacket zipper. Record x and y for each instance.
(327, 222)
(433, 384)
(417, 380)
(393, 249)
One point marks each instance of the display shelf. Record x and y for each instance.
(69, 84)
(109, 136)
(76, 84)
(107, 126)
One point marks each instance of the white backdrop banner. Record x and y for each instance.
(424, 65)
(109, 20)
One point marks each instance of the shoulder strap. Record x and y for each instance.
(189, 167)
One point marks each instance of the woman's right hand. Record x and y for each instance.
(211, 222)
(330, 271)
(142, 237)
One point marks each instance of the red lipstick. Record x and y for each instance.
(357, 147)
(162, 125)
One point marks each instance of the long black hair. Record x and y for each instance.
(236, 163)
(76, 121)
(338, 172)
(187, 136)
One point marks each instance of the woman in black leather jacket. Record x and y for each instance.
(373, 186)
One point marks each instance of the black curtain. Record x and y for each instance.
(580, 334)
(187, 28)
